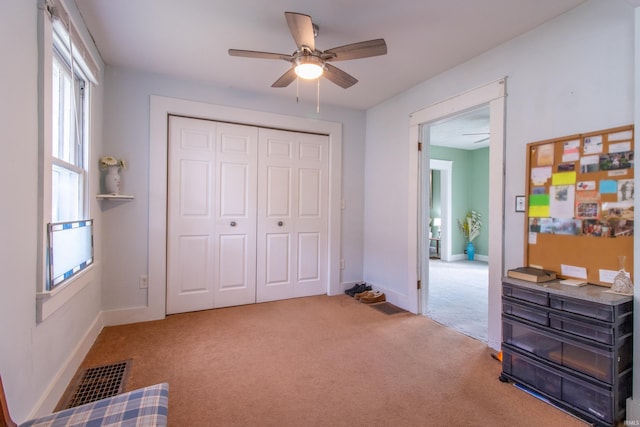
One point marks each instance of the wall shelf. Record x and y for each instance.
(114, 197)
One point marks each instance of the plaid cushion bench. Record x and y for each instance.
(145, 407)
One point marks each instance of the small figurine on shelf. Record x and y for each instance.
(112, 177)
(622, 283)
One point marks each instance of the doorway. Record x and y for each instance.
(493, 95)
(440, 223)
(459, 171)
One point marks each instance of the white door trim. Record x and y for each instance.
(160, 109)
(446, 169)
(493, 94)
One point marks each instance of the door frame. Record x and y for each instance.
(446, 170)
(494, 94)
(160, 109)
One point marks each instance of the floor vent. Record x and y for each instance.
(91, 384)
(388, 308)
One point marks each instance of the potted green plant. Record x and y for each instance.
(470, 227)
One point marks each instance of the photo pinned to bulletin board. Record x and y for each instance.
(580, 205)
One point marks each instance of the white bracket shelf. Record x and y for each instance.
(114, 197)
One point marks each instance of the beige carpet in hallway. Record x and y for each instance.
(459, 296)
(319, 361)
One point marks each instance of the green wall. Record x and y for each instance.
(470, 190)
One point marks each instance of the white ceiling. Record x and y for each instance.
(189, 39)
(466, 131)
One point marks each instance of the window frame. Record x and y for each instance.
(52, 18)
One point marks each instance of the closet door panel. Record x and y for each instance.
(190, 242)
(292, 215)
(235, 222)
(211, 215)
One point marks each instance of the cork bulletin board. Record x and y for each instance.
(580, 213)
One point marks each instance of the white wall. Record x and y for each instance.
(574, 74)
(127, 135)
(35, 358)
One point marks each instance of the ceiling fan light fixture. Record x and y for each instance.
(309, 67)
(310, 63)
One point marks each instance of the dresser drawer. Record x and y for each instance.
(532, 373)
(529, 295)
(596, 401)
(601, 333)
(584, 308)
(539, 316)
(591, 360)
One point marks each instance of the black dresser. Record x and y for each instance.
(571, 346)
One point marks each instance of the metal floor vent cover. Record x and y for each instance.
(91, 384)
(388, 308)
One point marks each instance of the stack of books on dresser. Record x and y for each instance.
(531, 274)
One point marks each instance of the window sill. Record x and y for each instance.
(48, 302)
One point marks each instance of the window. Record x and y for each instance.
(68, 145)
(68, 74)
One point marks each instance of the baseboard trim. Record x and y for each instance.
(395, 298)
(129, 315)
(463, 257)
(56, 388)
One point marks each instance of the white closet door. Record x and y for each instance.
(292, 215)
(235, 228)
(211, 215)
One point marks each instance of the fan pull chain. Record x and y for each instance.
(297, 90)
(318, 98)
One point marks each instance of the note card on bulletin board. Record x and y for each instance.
(580, 194)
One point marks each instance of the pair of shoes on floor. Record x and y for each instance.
(370, 297)
(363, 293)
(357, 288)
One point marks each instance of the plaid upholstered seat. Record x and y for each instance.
(145, 407)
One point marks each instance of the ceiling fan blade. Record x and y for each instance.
(339, 77)
(301, 29)
(261, 55)
(357, 50)
(481, 140)
(285, 79)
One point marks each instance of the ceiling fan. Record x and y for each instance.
(311, 63)
(479, 133)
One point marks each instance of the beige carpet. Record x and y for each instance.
(459, 296)
(319, 361)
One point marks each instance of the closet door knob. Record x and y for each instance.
(233, 223)
(280, 223)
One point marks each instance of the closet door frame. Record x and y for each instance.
(160, 109)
